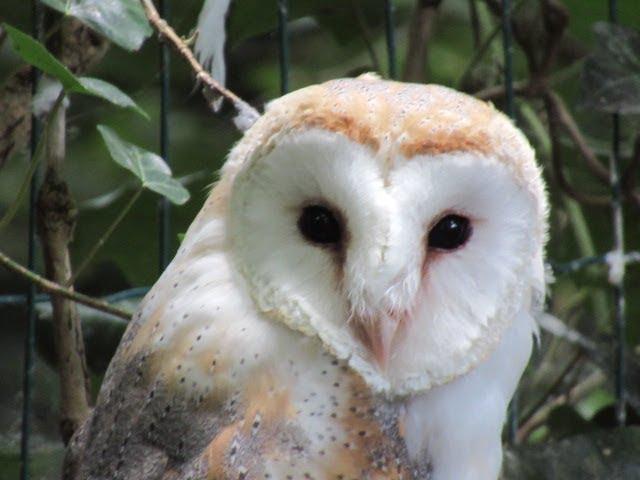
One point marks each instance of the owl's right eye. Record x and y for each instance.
(319, 225)
(450, 232)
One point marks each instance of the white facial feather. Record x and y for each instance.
(459, 425)
(459, 302)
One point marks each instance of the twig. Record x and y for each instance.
(420, 30)
(478, 53)
(580, 263)
(567, 122)
(556, 120)
(555, 17)
(96, 246)
(482, 47)
(498, 91)
(582, 389)
(552, 388)
(475, 24)
(629, 176)
(559, 329)
(367, 37)
(244, 110)
(57, 289)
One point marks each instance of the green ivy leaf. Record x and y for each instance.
(111, 93)
(611, 74)
(150, 168)
(121, 21)
(34, 53)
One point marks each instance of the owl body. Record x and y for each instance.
(355, 300)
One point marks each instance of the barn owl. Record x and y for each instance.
(355, 300)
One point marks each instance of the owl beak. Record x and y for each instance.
(378, 333)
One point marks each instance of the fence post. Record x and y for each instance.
(30, 334)
(283, 44)
(507, 47)
(389, 25)
(164, 210)
(618, 249)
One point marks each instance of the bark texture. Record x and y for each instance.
(56, 221)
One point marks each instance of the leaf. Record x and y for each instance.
(121, 21)
(151, 169)
(611, 74)
(111, 93)
(34, 53)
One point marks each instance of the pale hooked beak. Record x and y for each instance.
(377, 333)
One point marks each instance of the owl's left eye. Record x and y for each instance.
(319, 225)
(450, 232)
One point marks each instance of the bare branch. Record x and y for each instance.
(556, 121)
(628, 179)
(56, 221)
(367, 36)
(555, 18)
(475, 24)
(213, 88)
(420, 30)
(496, 92)
(57, 289)
(586, 386)
(553, 387)
(105, 236)
(567, 122)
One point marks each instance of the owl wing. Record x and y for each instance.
(157, 417)
(163, 399)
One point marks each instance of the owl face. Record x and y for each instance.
(379, 218)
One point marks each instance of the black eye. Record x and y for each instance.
(450, 232)
(318, 224)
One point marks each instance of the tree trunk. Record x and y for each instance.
(56, 221)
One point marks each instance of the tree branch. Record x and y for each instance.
(367, 37)
(420, 30)
(567, 122)
(247, 115)
(552, 388)
(579, 391)
(56, 222)
(496, 92)
(555, 119)
(101, 241)
(628, 179)
(57, 289)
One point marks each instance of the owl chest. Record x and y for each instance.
(311, 418)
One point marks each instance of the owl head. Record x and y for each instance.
(402, 225)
